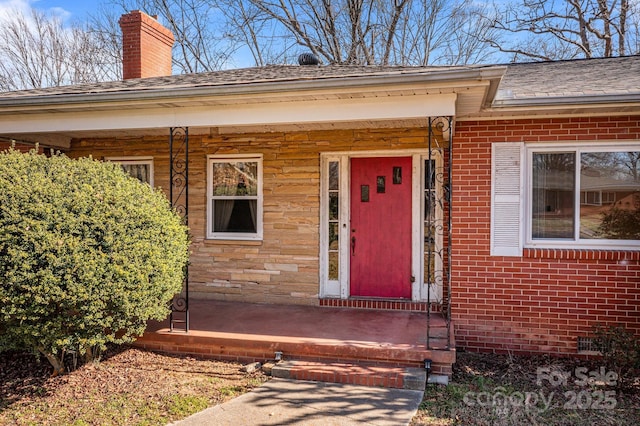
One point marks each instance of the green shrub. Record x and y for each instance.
(87, 255)
(620, 350)
(620, 224)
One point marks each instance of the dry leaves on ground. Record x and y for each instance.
(494, 389)
(130, 386)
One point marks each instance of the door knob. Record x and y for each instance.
(353, 246)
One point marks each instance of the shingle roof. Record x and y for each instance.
(582, 77)
(266, 74)
(521, 82)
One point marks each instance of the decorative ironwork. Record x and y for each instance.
(438, 222)
(179, 197)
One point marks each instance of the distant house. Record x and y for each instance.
(479, 190)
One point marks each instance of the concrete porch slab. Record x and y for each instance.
(254, 332)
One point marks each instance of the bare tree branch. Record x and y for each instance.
(37, 50)
(368, 31)
(562, 29)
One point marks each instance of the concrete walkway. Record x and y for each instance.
(289, 402)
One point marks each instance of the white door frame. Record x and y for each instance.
(339, 286)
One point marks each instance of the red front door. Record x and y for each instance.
(380, 237)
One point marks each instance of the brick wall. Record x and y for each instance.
(542, 301)
(24, 147)
(283, 268)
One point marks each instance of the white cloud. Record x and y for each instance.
(60, 12)
(8, 8)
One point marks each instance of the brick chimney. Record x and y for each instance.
(146, 46)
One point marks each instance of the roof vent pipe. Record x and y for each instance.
(308, 59)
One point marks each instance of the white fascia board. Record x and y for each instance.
(586, 110)
(578, 100)
(304, 111)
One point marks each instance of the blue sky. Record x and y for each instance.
(77, 8)
(68, 9)
(72, 10)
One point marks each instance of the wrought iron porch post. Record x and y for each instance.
(444, 125)
(179, 197)
(448, 193)
(428, 201)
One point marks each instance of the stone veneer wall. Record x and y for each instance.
(283, 268)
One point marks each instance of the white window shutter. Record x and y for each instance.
(506, 199)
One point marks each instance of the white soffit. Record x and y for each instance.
(250, 114)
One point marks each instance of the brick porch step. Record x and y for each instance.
(354, 374)
(252, 348)
(247, 332)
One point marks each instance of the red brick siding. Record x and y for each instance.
(146, 46)
(23, 147)
(542, 301)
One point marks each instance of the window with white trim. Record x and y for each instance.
(234, 197)
(565, 196)
(140, 168)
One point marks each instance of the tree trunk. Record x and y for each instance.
(55, 361)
